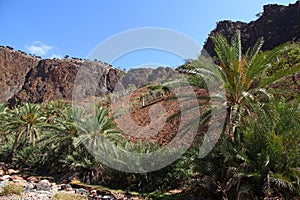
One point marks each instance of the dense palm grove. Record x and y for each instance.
(258, 154)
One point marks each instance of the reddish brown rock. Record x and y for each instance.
(16, 178)
(14, 66)
(31, 79)
(32, 179)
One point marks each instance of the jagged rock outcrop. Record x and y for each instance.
(32, 79)
(277, 24)
(143, 76)
(26, 78)
(14, 66)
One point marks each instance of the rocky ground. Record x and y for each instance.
(34, 187)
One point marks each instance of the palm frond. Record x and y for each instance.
(281, 181)
(252, 52)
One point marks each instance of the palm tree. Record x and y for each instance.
(61, 127)
(3, 109)
(55, 109)
(245, 76)
(25, 122)
(92, 130)
(271, 165)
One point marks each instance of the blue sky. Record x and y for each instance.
(52, 28)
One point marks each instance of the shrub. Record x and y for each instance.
(154, 87)
(11, 189)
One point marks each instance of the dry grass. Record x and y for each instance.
(68, 196)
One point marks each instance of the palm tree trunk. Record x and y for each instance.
(230, 127)
(234, 119)
(14, 150)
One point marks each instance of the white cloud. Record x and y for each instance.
(56, 56)
(38, 48)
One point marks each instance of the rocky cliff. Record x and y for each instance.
(27, 78)
(277, 24)
(14, 66)
(143, 76)
(32, 79)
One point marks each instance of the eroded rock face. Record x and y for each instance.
(54, 79)
(31, 79)
(143, 76)
(277, 24)
(14, 66)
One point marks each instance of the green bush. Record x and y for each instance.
(263, 163)
(11, 189)
(154, 87)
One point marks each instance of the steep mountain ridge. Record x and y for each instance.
(29, 78)
(277, 24)
(14, 66)
(32, 79)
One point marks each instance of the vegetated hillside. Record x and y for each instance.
(154, 120)
(143, 76)
(277, 24)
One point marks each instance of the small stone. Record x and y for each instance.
(4, 178)
(43, 185)
(65, 186)
(93, 192)
(106, 197)
(81, 191)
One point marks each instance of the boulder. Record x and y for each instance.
(43, 185)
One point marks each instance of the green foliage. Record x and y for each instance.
(276, 150)
(154, 87)
(47, 140)
(11, 189)
(262, 156)
(177, 175)
(25, 122)
(246, 78)
(264, 163)
(287, 60)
